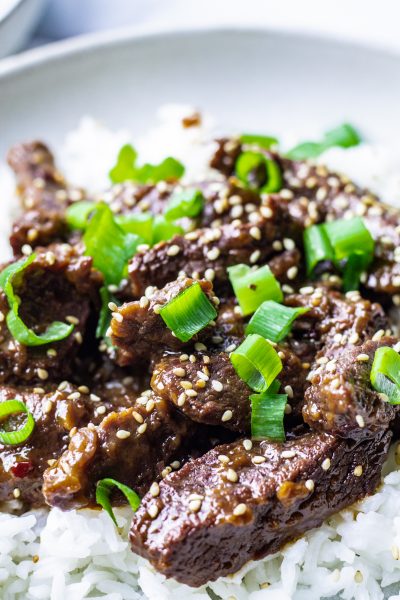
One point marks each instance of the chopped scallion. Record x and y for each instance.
(256, 362)
(385, 373)
(188, 313)
(140, 224)
(126, 169)
(187, 203)
(344, 136)
(103, 491)
(55, 332)
(13, 407)
(273, 321)
(77, 214)
(253, 286)
(258, 172)
(267, 413)
(262, 141)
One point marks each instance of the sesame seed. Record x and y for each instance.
(383, 397)
(192, 358)
(187, 385)
(360, 421)
(258, 460)
(74, 396)
(173, 250)
(165, 472)
(247, 444)
(307, 290)
(326, 464)
(95, 398)
(209, 274)
(48, 406)
(200, 347)
(122, 434)
(362, 357)
(358, 471)
(378, 335)
(194, 506)
(183, 357)
(38, 390)
(277, 245)
(112, 306)
(202, 375)
(291, 273)
(51, 462)
(78, 337)
(289, 391)
(353, 339)
(71, 319)
(154, 489)
(223, 459)
(395, 552)
(254, 256)
(227, 416)
(73, 431)
(288, 454)
(153, 511)
(26, 250)
(255, 233)
(213, 254)
(232, 476)
(42, 374)
(16, 492)
(310, 485)
(195, 497)
(217, 385)
(358, 577)
(335, 383)
(83, 389)
(288, 244)
(137, 416)
(142, 428)
(179, 372)
(191, 393)
(239, 510)
(230, 348)
(181, 399)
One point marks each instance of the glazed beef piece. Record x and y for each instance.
(139, 332)
(56, 411)
(44, 195)
(209, 252)
(243, 501)
(60, 285)
(133, 446)
(128, 197)
(206, 388)
(341, 399)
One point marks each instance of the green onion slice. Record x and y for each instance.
(103, 491)
(263, 141)
(267, 413)
(385, 373)
(253, 286)
(273, 321)
(126, 169)
(317, 246)
(348, 236)
(12, 407)
(344, 136)
(187, 203)
(140, 224)
(108, 244)
(188, 313)
(55, 332)
(164, 230)
(77, 214)
(259, 172)
(256, 362)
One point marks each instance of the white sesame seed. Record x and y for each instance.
(74, 396)
(254, 256)
(289, 391)
(247, 444)
(232, 476)
(202, 376)
(95, 398)
(291, 273)
(153, 511)
(255, 233)
(288, 244)
(142, 428)
(354, 338)
(181, 399)
(179, 372)
(184, 357)
(194, 506)
(326, 464)
(16, 492)
(378, 335)
(213, 254)
(217, 385)
(112, 306)
(383, 397)
(358, 471)
(209, 274)
(48, 406)
(307, 290)
(239, 510)
(154, 489)
(227, 416)
(42, 374)
(175, 464)
(288, 454)
(38, 390)
(310, 485)
(26, 250)
(173, 250)
(358, 577)
(118, 317)
(360, 421)
(122, 434)
(71, 319)
(277, 245)
(362, 357)
(137, 416)
(187, 385)
(258, 460)
(200, 347)
(191, 393)
(223, 459)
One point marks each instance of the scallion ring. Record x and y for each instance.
(12, 407)
(385, 373)
(267, 413)
(273, 321)
(103, 491)
(256, 362)
(252, 286)
(258, 172)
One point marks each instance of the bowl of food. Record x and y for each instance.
(199, 319)
(18, 18)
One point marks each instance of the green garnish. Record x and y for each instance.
(258, 172)
(126, 169)
(385, 373)
(263, 141)
(103, 491)
(140, 224)
(188, 313)
(55, 332)
(253, 286)
(337, 241)
(164, 230)
(344, 136)
(12, 407)
(187, 203)
(267, 413)
(77, 214)
(256, 362)
(274, 321)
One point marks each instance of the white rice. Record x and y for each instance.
(82, 555)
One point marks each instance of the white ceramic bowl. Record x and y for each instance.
(18, 18)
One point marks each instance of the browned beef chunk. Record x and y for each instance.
(60, 285)
(129, 197)
(341, 399)
(133, 446)
(206, 388)
(235, 504)
(44, 194)
(139, 332)
(209, 252)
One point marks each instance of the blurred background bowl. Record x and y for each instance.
(18, 19)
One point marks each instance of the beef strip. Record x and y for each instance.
(128, 197)
(133, 446)
(60, 285)
(138, 330)
(341, 399)
(235, 504)
(209, 252)
(44, 194)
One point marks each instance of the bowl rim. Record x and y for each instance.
(11, 8)
(54, 52)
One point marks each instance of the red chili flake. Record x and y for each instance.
(21, 469)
